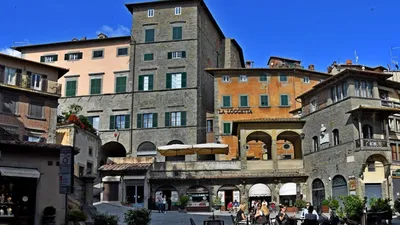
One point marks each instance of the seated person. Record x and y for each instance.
(282, 218)
(240, 217)
(230, 207)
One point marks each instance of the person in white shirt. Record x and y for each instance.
(306, 211)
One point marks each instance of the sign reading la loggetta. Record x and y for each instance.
(235, 111)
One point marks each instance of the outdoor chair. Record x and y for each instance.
(233, 220)
(192, 222)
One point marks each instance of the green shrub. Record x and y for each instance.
(300, 204)
(76, 215)
(333, 203)
(325, 202)
(217, 201)
(137, 217)
(105, 219)
(353, 207)
(380, 205)
(183, 201)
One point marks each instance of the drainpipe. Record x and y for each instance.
(132, 66)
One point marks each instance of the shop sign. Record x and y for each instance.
(235, 111)
(66, 170)
(352, 183)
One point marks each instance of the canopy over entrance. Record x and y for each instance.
(259, 190)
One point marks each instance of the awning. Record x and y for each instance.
(229, 188)
(174, 150)
(211, 149)
(288, 189)
(259, 190)
(111, 179)
(19, 172)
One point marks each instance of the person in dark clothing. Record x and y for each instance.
(282, 218)
(240, 214)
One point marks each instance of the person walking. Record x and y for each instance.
(159, 203)
(164, 203)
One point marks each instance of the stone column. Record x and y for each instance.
(88, 207)
(274, 152)
(360, 136)
(242, 149)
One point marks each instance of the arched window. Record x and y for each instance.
(367, 132)
(336, 140)
(318, 193)
(315, 144)
(339, 187)
(147, 149)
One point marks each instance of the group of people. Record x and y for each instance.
(161, 202)
(233, 206)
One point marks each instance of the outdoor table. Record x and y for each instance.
(213, 222)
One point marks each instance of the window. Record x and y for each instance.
(176, 33)
(175, 119)
(178, 10)
(264, 100)
(36, 81)
(284, 100)
(306, 80)
(371, 166)
(146, 82)
(264, 77)
(81, 171)
(119, 122)
(283, 78)
(226, 128)
(344, 88)
(10, 75)
(226, 78)
(70, 90)
(335, 134)
(95, 121)
(367, 132)
(226, 101)
(90, 151)
(73, 56)
(48, 58)
(363, 89)
(122, 51)
(97, 54)
(176, 80)
(209, 126)
(120, 84)
(150, 13)
(95, 85)
(36, 109)
(33, 139)
(148, 56)
(176, 55)
(244, 101)
(243, 78)
(147, 120)
(314, 105)
(89, 168)
(149, 35)
(315, 144)
(8, 103)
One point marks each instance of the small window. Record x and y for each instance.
(176, 55)
(315, 144)
(227, 128)
(264, 101)
(209, 126)
(150, 13)
(306, 80)
(244, 101)
(226, 101)
(335, 134)
(95, 121)
(313, 105)
(95, 85)
(118, 122)
(8, 103)
(175, 119)
(243, 78)
(146, 82)
(147, 120)
(226, 78)
(73, 56)
(90, 151)
(33, 139)
(177, 33)
(36, 109)
(148, 56)
(81, 171)
(70, 88)
(48, 58)
(49, 163)
(284, 100)
(176, 80)
(149, 35)
(89, 168)
(264, 77)
(122, 51)
(178, 10)
(120, 84)
(371, 166)
(97, 54)
(283, 78)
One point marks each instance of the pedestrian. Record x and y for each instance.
(306, 211)
(164, 203)
(159, 203)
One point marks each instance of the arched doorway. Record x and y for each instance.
(259, 146)
(318, 193)
(259, 192)
(289, 145)
(111, 149)
(199, 199)
(288, 194)
(171, 195)
(177, 157)
(228, 193)
(147, 149)
(374, 176)
(339, 187)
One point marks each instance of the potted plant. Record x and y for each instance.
(333, 204)
(325, 206)
(76, 217)
(217, 203)
(49, 215)
(137, 217)
(380, 209)
(182, 202)
(105, 219)
(353, 207)
(300, 204)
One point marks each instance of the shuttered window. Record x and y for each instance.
(8, 103)
(120, 84)
(227, 128)
(226, 101)
(147, 120)
(244, 101)
(175, 119)
(149, 35)
(264, 101)
(70, 88)
(95, 86)
(36, 109)
(176, 80)
(284, 100)
(177, 33)
(148, 57)
(145, 82)
(120, 122)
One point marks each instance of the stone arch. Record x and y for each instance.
(228, 193)
(177, 157)
(339, 187)
(259, 146)
(288, 194)
(147, 148)
(175, 142)
(111, 149)
(199, 196)
(289, 145)
(376, 170)
(318, 193)
(171, 194)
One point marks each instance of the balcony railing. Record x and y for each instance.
(391, 104)
(39, 85)
(372, 143)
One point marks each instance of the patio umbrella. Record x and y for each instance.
(174, 150)
(211, 149)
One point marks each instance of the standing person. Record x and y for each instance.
(164, 203)
(159, 203)
(310, 216)
(282, 218)
(306, 211)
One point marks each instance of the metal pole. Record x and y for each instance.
(66, 209)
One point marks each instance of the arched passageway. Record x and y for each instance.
(289, 145)
(259, 146)
(111, 149)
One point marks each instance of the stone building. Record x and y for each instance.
(346, 144)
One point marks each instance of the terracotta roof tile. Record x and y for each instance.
(269, 120)
(35, 145)
(125, 166)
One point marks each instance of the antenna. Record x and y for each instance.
(355, 53)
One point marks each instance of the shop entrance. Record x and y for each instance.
(110, 193)
(259, 193)
(135, 195)
(228, 193)
(171, 195)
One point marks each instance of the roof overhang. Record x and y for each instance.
(363, 108)
(222, 71)
(235, 124)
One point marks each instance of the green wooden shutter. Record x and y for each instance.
(95, 86)
(264, 100)
(284, 100)
(169, 80)
(148, 56)
(169, 55)
(183, 118)
(112, 122)
(226, 101)
(55, 58)
(141, 83)
(139, 121)
(149, 35)
(151, 83)
(155, 120)
(183, 54)
(120, 85)
(80, 55)
(66, 56)
(243, 101)
(127, 121)
(70, 88)
(167, 119)
(227, 128)
(41, 58)
(184, 80)
(177, 33)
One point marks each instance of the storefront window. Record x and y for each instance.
(198, 197)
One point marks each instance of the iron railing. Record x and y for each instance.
(372, 143)
(41, 85)
(391, 104)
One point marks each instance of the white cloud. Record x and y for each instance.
(111, 32)
(11, 52)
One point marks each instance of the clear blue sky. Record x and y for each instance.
(314, 31)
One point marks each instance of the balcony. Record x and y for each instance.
(197, 166)
(390, 104)
(372, 144)
(33, 83)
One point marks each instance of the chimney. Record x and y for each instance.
(311, 67)
(249, 64)
(84, 39)
(75, 39)
(349, 62)
(101, 36)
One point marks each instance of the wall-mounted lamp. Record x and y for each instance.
(302, 135)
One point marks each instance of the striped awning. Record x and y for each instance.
(19, 172)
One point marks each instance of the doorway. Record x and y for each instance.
(373, 191)
(135, 195)
(111, 191)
